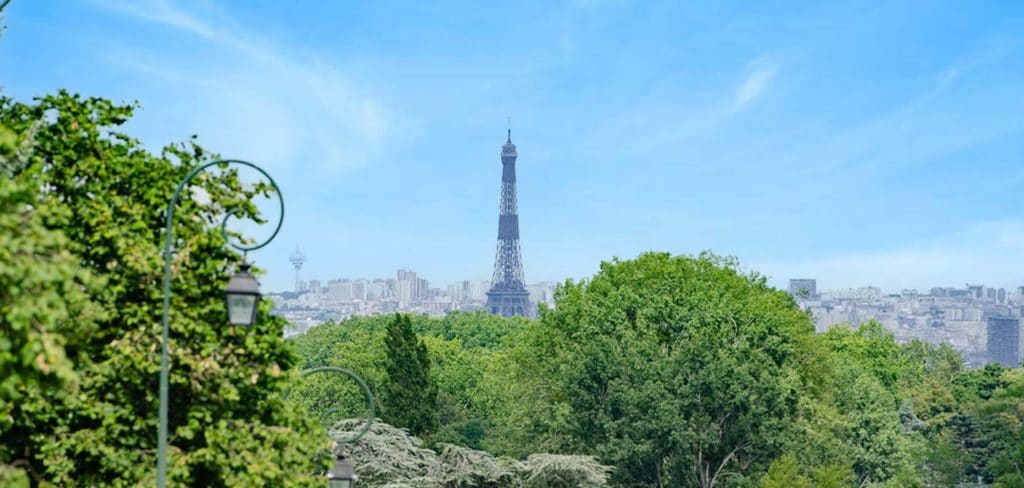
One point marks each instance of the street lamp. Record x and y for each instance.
(342, 475)
(242, 296)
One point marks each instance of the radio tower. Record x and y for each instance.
(297, 259)
(508, 295)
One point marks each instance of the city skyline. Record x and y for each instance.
(981, 322)
(322, 281)
(858, 144)
(782, 283)
(314, 301)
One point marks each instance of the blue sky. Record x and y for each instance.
(857, 142)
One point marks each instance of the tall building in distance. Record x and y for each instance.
(803, 288)
(409, 287)
(508, 295)
(359, 289)
(1004, 340)
(298, 259)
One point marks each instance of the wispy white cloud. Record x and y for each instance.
(760, 75)
(161, 12)
(252, 98)
(904, 135)
(656, 126)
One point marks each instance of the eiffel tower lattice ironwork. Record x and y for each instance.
(508, 295)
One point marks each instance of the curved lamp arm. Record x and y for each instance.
(370, 400)
(161, 475)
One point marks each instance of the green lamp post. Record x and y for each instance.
(343, 473)
(242, 295)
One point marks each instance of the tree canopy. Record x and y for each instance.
(684, 371)
(677, 370)
(409, 392)
(84, 209)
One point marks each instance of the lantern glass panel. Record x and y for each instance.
(241, 309)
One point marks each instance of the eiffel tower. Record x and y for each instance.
(508, 295)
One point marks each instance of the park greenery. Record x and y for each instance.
(658, 371)
(81, 206)
(685, 371)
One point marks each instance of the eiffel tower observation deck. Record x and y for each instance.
(508, 295)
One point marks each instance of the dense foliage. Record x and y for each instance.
(461, 348)
(81, 212)
(409, 392)
(678, 371)
(683, 371)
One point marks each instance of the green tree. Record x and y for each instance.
(1001, 422)
(106, 195)
(855, 420)
(648, 364)
(473, 329)
(44, 294)
(874, 349)
(410, 397)
(832, 476)
(462, 349)
(332, 397)
(979, 384)
(457, 372)
(677, 370)
(784, 472)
